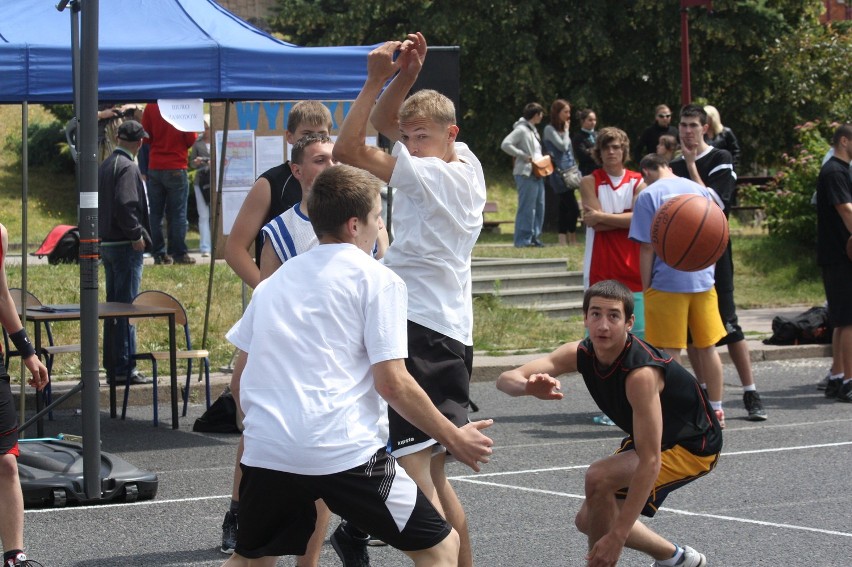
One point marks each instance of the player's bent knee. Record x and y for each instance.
(443, 554)
(581, 521)
(8, 468)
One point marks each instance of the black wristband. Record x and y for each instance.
(22, 343)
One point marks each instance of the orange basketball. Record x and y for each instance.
(689, 232)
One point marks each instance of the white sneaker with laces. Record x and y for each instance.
(689, 558)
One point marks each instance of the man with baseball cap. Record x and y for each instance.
(123, 228)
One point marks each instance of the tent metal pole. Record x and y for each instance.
(25, 181)
(87, 140)
(216, 216)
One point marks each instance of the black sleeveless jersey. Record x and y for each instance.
(688, 419)
(286, 192)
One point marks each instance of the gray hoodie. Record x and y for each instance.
(522, 143)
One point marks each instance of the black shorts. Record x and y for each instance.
(725, 292)
(836, 278)
(442, 366)
(8, 417)
(277, 510)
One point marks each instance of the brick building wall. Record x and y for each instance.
(836, 10)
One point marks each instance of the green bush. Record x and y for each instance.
(47, 147)
(787, 198)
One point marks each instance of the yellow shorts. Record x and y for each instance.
(678, 467)
(668, 317)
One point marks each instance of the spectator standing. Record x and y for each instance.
(667, 148)
(649, 139)
(524, 144)
(713, 168)
(608, 196)
(11, 496)
(720, 136)
(124, 233)
(168, 186)
(557, 143)
(834, 246)
(199, 160)
(584, 141)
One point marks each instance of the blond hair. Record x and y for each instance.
(714, 120)
(428, 104)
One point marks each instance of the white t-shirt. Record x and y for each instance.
(437, 218)
(307, 389)
(290, 233)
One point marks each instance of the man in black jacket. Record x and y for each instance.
(123, 228)
(649, 139)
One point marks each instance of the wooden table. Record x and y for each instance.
(111, 310)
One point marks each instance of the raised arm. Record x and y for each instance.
(385, 114)
(403, 394)
(351, 146)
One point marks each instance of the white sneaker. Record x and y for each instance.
(690, 558)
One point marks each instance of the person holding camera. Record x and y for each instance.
(199, 160)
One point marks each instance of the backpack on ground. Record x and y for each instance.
(220, 417)
(61, 245)
(810, 327)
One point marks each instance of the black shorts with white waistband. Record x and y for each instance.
(277, 510)
(442, 366)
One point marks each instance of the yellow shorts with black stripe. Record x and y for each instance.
(678, 468)
(670, 317)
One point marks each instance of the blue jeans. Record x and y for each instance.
(529, 220)
(123, 267)
(168, 191)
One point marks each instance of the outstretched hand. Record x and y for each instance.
(544, 387)
(473, 447)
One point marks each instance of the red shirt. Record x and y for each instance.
(169, 146)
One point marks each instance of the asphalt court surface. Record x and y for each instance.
(779, 495)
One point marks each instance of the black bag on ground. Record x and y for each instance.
(220, 417)
(810, 327)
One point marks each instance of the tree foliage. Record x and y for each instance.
(755, 60)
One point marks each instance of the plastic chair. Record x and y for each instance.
(48, 351)
(162, 299)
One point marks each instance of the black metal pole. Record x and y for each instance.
(25, 181)
(87, 140)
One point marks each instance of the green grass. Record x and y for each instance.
(768, 273)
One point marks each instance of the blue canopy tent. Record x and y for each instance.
(148, 50)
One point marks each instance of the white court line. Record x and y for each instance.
(666, 510)
(96, 507)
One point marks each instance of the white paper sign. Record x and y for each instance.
(187, 115)
(231, 203)
(270, 152)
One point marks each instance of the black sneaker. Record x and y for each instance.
(21, 560)
(833, 387)
(351, 550)
(164, 259)
(183, 259)
(845, 393)
(754, 406)
(229, 533)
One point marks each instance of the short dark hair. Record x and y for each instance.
(843, 131)
(653, 162)
(610, 289)
(583, 114)
(340, 193)
(531, 109)
(298, 153)
(694, 111)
